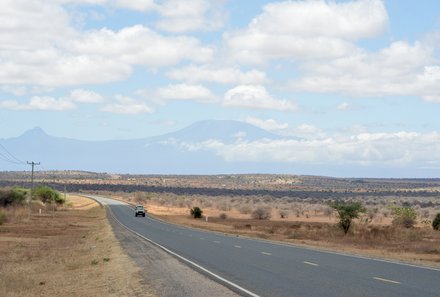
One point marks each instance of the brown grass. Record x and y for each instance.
(69, 252)
(308, 224)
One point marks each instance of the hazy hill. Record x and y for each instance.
(165, 154)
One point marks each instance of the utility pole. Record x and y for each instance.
(33, 164)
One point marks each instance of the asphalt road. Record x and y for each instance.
(260, 268)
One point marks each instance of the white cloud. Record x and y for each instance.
(255, 97)
(222, 75)
(85, 96)
(186, 92)
(182, 16)
(269, 124)
(126, 105)
(40, 46)
(307, 29)
(400, 69)
(344, 106)
(39, 103)
(397, 150)
(139, 5)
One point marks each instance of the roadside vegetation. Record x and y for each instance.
(71, 253)
(391, 227)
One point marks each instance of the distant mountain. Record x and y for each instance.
(180, 152)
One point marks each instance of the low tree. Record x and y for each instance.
(404, 216)
(436, 222)
(261, 213)
(12, 196)
(196, 212)
(48, 195)
(347, 212)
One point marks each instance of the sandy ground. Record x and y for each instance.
(69, 252)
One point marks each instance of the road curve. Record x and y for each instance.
(260, 268)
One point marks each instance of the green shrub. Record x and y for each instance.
(196, 212)
(2, 217)
(347, 212)
(48, 195)
(436, 222)
(404, 216)
(10, 196)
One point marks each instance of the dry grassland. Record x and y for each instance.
(304, 224)
(69, 252)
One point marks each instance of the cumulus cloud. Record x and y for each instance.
(221, 75)
(139, 5)
(85, 96)
(255, 97)
(307, 29)
(55, 104)
(397, 150)
(399, 69)
(40, 46)
(186, 92)
(126, 105)
(269, 124)
(182, 16)
(39, 103)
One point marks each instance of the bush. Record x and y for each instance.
(48, 195)
(223, 216)
(261, 213)
(284, 213)
(404, 216)
(196, 212)
(2, 217)
(347, 211)
(436, 222)
(10, 196)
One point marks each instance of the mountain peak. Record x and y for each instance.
(35, 132)
(224, 130)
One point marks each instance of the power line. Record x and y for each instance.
(14, 159)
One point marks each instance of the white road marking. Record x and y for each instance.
(310, 263)
(237, 246)
(386, 280)
(201, 238)
(216, 241)
(247, 292)
(267, 254)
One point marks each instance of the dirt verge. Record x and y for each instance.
(69, 252)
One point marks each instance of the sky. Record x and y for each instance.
(361, 77)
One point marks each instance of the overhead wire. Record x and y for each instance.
(11, 158)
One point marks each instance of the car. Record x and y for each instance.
(139, 211)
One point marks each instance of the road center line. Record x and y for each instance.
(386, 280)
(267, 254)
(237, 246)
(216, 241)
(310, 263)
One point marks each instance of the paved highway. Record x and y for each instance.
(260, 268)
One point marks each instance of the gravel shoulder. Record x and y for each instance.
(164, 274)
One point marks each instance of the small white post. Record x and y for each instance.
(206, 218)
(39, 212)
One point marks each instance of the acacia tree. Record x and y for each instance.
(347, 212)
(404, 216)
(196, 212)
(436, 222)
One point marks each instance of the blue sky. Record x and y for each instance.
(363, 74)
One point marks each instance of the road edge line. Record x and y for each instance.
(219, 279)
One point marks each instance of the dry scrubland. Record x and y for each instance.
(67, 252)
(301, 201)
(308, 222)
